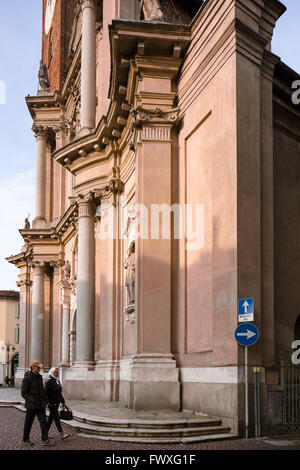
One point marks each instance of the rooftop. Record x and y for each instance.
(11, 294)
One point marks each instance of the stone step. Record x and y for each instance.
(146, 423)
(180, 431)
(146, 432)
(9, 403)
(163, 440)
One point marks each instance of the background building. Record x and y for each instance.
(9, 333)
(157, 104)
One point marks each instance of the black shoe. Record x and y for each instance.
(48, 443)
(28, 443)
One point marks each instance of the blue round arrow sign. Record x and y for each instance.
(246, 334)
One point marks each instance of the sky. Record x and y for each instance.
(20, 52)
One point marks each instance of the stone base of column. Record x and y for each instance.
(151, 382)
(81, 381)
(109, 373)
(90, 365)
(39, 222)
(85, 131)
(64, 364)
(63, 369)
(45, 93)
(19, 377)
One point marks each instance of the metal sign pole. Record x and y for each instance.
(246, 390)
(246, 335)
(258, 402)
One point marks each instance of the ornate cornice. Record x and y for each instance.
(168, 39)
(23, 257)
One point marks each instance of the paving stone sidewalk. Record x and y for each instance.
(101, 409)
(12, 422)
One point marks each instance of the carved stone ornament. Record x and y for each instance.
(39, 131)
(66, 271)
(76, 29)
(169, 11)
(27, 224)
(73, 122)
(129, 266)
(43, 77)
(153, 116)
(73, 285)
(151, 10)
(130, 314)
(115, 185)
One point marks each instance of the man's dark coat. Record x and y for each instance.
(33, 391)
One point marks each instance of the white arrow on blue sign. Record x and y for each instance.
(246, 334)
(246, 309)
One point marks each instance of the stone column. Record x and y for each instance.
(65, 299)
(88, 66)
(59, 178)
(40, 195)
(37, 315)
(65, 331)
(24, 284)
(85, 319)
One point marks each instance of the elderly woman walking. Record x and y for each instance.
(53, 390)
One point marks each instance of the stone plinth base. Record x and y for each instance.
(144, 382)
(81, 382)
(150, 382)
(154, 396)
(39, 223)
(19, 376)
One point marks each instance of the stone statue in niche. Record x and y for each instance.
(129, 265)
(43, 77)
(151, 10)
(66, 271)
(170, 11)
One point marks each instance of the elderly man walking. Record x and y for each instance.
(35, 403)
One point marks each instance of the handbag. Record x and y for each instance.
(66, 414)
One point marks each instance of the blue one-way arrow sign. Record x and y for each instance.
(246, 309)
(246, 334)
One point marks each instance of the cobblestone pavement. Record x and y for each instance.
(12, 421)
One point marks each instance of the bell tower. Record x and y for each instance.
(58, 18)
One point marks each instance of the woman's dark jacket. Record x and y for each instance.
(33, 391)
(53, 392)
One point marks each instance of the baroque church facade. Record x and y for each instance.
(161, 104)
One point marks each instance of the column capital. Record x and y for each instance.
(36, 264)
(88, 4)
(40, 132)
(87, 204)
(142, 116)
(60, 130)
(154, 124)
